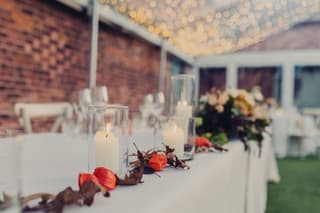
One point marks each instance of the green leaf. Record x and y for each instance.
(235, 110)
(199, 121)
(220, 138)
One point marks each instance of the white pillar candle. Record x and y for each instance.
(173, 137)
(106, 150)
(183, 109)
(183, 114)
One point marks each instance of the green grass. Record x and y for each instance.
(299, 189)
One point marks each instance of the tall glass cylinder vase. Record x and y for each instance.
(182, 141)
(182, 102)
(108, 138)
(182, 95)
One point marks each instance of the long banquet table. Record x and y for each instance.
(232, 182)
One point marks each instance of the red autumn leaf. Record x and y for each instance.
(134, 175)
(158, 161)
(201, 141)
(84, 177)
(173, 160)
(106, 177)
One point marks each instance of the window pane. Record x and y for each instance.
(267, 78)
(307, 86)
(212, 77)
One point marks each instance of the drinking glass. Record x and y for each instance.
(182, 95)
(10, 170)
(183, 141)
(108, 138)
(143, 134)
(182, 102)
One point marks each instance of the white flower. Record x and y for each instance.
(204, 98)
(233, 92)
(213, 100)
(258, 96)
(249, 99)
(262, 112)
(256, 92)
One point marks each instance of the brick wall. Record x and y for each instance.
(128, 66)
(44, 55)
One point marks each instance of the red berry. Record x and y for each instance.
(84, 177)
(158, 161)
(201, 141)
(106, 177)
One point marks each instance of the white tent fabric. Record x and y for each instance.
(202, 27)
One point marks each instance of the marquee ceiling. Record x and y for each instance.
(202, 27)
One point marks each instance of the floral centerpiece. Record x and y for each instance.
(228, 114)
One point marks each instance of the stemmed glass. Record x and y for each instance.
(81, 110)
(146, 126)
(159, 104)
(99, 95)
(84, 99)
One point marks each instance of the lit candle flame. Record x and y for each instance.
(108, 129)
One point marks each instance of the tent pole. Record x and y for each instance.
(287, 95)
(163, 64)
(232, 76)
(94, 27)
(196, 72)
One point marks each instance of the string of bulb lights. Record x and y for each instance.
(202, 27)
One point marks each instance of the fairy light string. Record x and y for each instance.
(202, 27)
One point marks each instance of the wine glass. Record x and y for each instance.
(159, 105)
(84, 101)
(99, 95)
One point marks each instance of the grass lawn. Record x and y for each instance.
(299, 190)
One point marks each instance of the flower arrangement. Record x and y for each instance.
(223, 115)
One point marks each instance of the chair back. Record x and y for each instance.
(27, 111)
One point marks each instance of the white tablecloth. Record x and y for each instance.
(261, 170)
(280, 129)
(217, 182)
